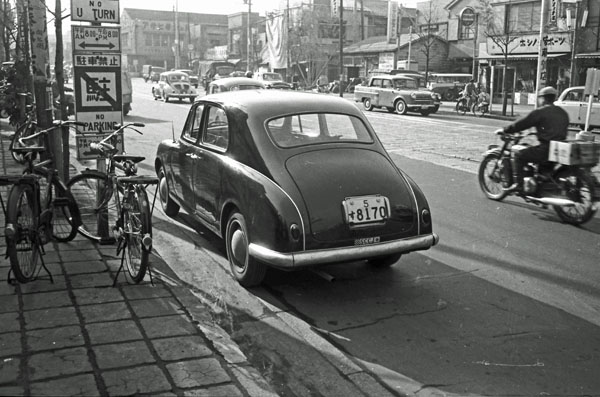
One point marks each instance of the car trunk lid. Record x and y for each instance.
(327, 178)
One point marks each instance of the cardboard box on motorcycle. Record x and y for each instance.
(574, 152)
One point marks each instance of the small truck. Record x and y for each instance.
(396, 93)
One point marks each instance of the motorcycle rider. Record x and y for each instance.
(551, 123)
(471, 92)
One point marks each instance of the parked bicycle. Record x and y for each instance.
(39, 208)
(27, 128)
(106, 199)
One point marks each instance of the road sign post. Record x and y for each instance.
(97, 74)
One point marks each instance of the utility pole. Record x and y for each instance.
(177, 44)
(341, 47)
(61, 163)
(249, 34)
(38, 36)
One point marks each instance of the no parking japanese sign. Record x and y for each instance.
(98, 100)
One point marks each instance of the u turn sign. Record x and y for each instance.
(100, 11)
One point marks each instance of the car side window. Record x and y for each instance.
(574, 96)
(194, 124)
(376, 83)
(387, 84)
(217, 128)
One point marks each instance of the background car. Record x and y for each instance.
(155, 73)
(576, 104)
(291, 180)
(174, 85)
(193, 77)
(273, 80)
(448, 85)
(234, 84)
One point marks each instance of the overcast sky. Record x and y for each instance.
(203, 6)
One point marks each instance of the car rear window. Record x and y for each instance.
(317, 128)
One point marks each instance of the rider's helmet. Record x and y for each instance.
(249, 74)
(548, 91)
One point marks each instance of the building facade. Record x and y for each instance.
(148, 37)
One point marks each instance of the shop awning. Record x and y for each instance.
(522, 56)
(588, 55)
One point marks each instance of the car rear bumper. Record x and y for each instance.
(173, 95)
(344, 254)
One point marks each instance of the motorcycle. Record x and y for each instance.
(569, 189)
(482, 105)
(462, 103)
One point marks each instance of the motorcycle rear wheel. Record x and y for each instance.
(576, 185)
(462, 107)
(490, 175)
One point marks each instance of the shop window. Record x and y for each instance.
(594, 14)
(465, 32)
(148, 40)
(524, 17)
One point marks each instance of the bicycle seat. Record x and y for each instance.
(28, 149)
(125, 157)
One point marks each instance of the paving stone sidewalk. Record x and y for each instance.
(81, 336)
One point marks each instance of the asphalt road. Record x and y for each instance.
(507, 303)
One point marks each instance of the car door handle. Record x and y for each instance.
(192, 156)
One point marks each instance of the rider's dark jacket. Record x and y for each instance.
(551, 123)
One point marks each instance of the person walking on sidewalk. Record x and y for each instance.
(551, 123)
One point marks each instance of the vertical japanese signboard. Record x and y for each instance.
(97, 72)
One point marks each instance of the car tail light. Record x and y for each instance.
(295, 232)
(426, 217)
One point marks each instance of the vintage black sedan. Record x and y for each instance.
(291, 180)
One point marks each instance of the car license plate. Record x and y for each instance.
(365, 210)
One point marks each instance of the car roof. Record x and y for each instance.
(173, 73)
(272, 103)
(231, 81)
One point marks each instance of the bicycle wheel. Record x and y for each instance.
(98, 213)
(22, 131)
(23, 245)
(137, 230)
(65, 213)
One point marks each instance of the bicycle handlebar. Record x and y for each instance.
(57, 125)
(103, 144)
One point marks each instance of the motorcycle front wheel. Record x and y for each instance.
(491, 175)
(576, 185)
(479, 110)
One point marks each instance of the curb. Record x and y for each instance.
(250, 379)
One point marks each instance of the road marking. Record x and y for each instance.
(431, 122)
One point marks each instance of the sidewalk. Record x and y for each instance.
(81, 336)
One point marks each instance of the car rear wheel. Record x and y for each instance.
(384, 261)
(449, 95)
(246, 270)
(367, 104)
(400, 106)
(168, 205)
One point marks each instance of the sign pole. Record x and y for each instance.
(542, 51)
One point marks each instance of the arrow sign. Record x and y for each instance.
(85, 45)
(96, 38)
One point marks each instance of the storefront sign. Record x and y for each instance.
(553, 11)
(386, 60)
(392, 27)
(467, 16)
(557, 42)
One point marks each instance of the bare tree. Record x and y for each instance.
(306, 31)
(427, 32)
(502, 34)
(8, 25)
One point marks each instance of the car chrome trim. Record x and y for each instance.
(342, 254)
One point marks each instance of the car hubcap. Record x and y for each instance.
(239, 249)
